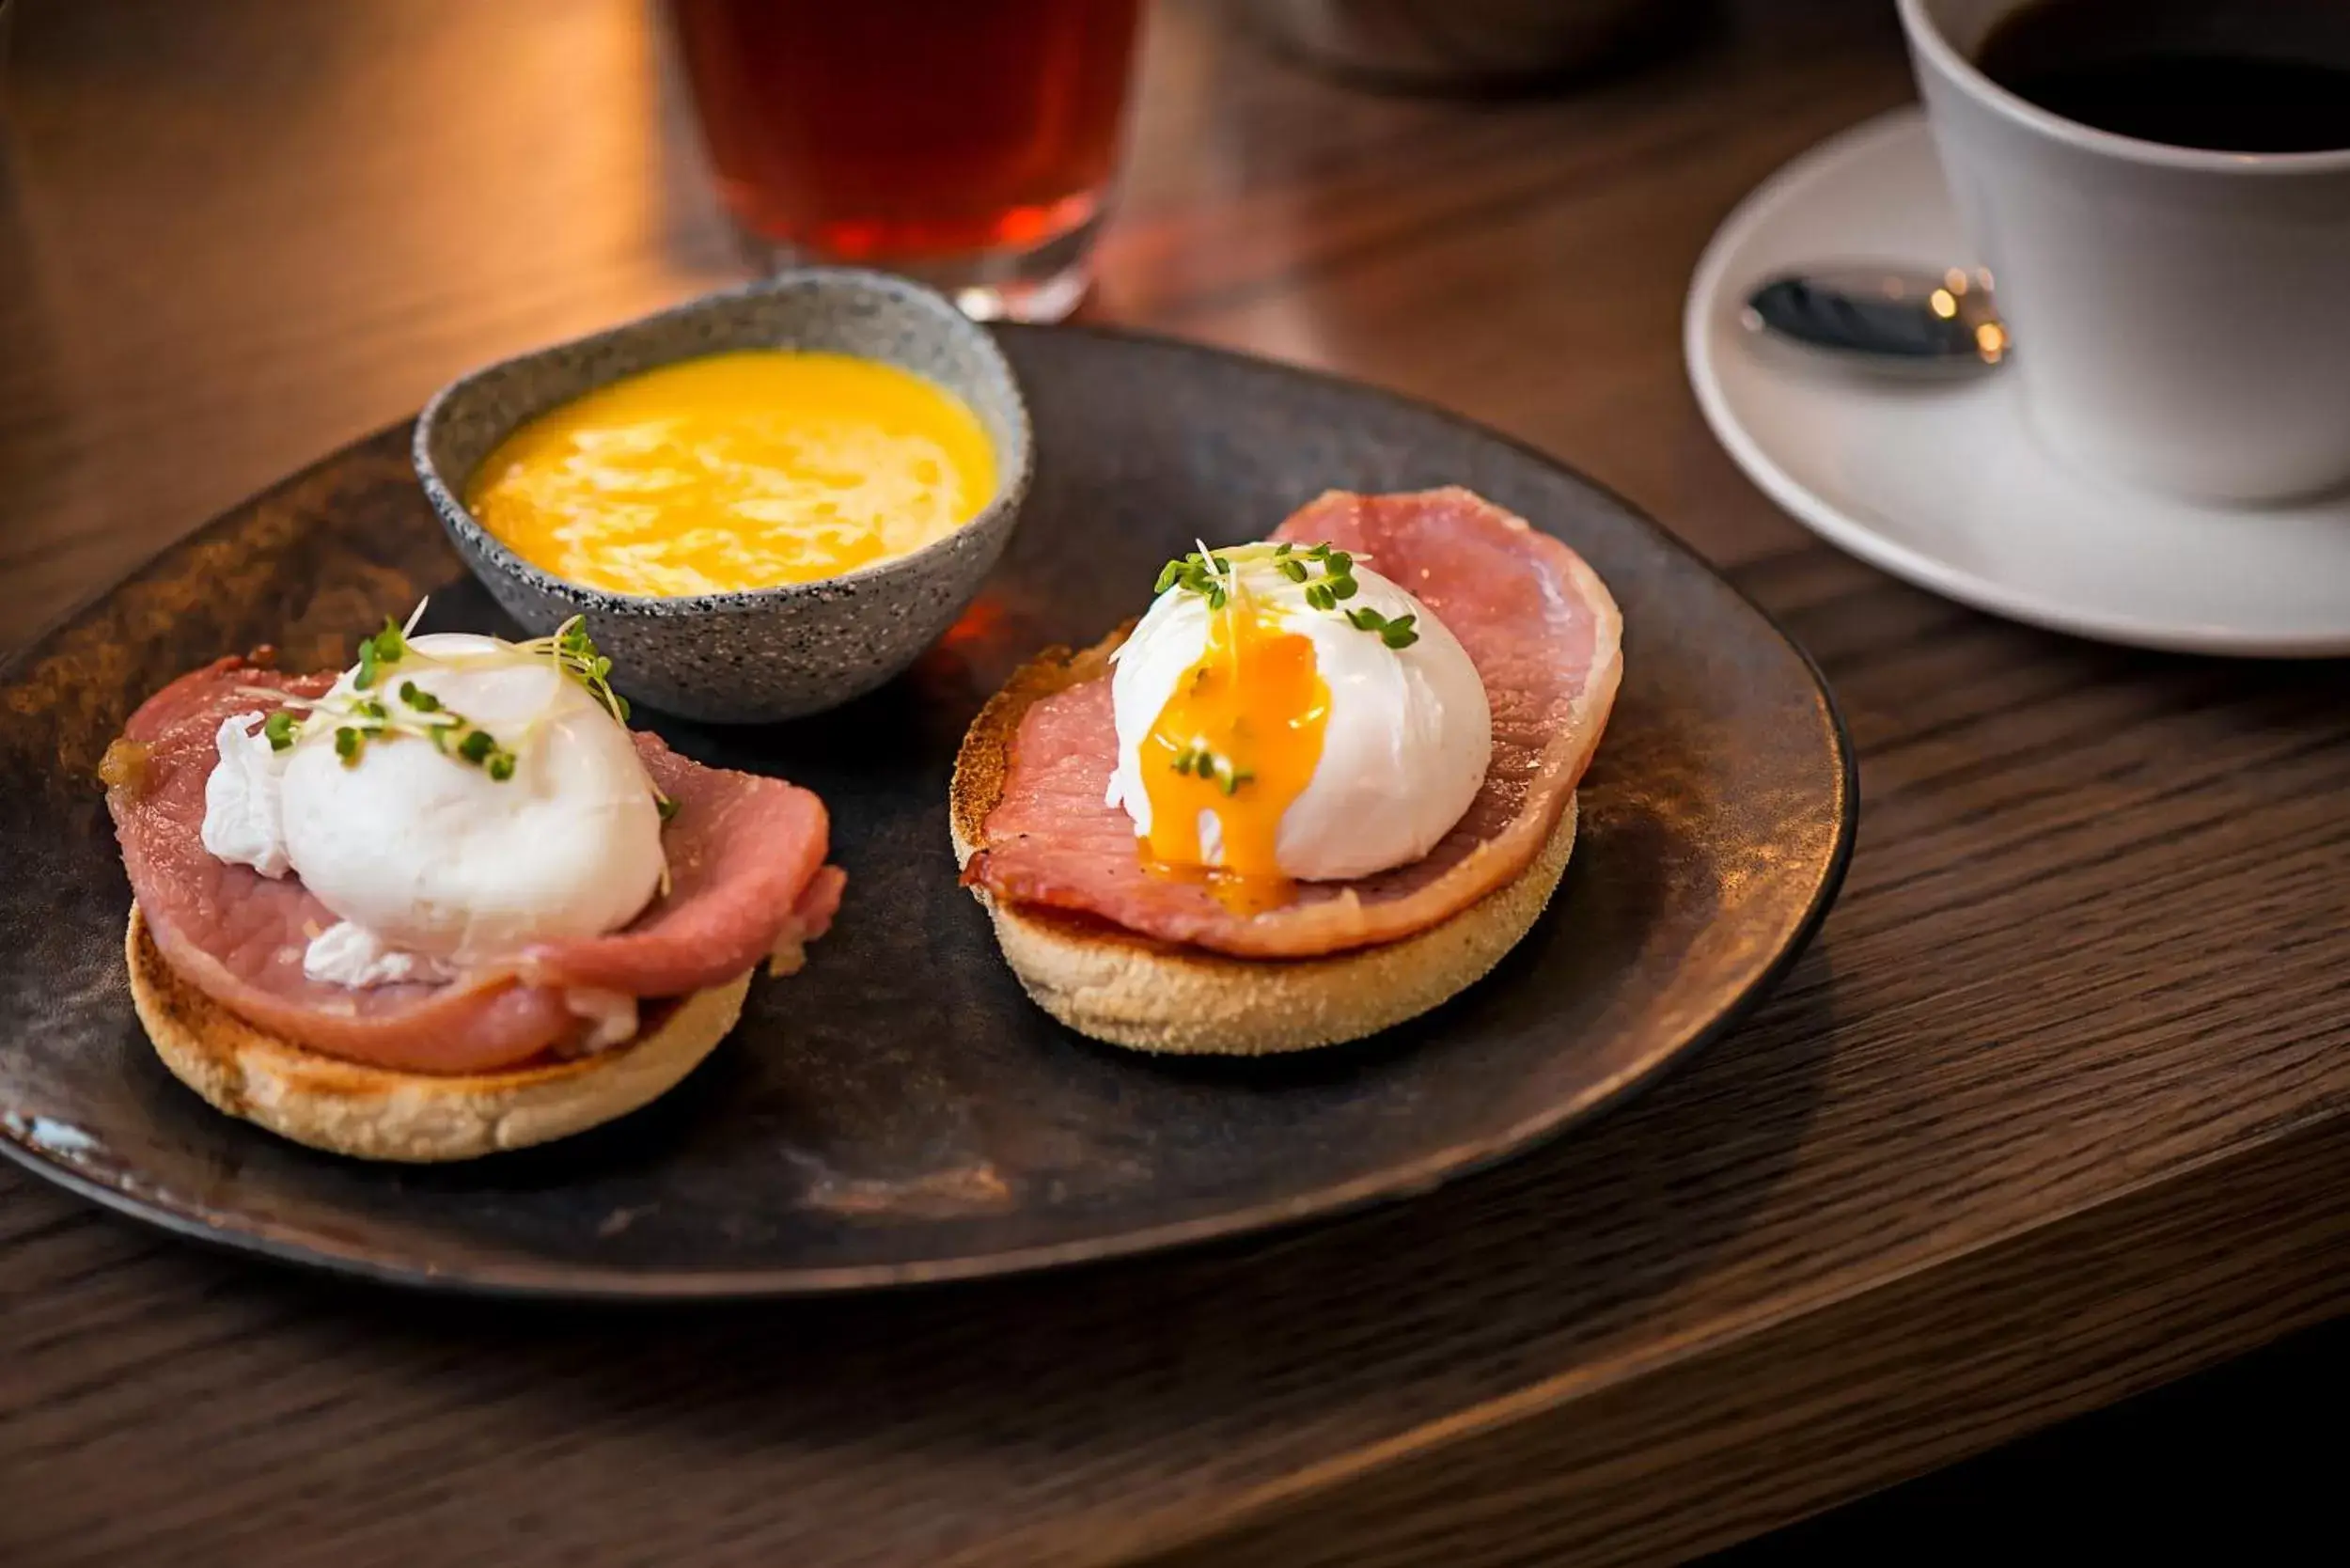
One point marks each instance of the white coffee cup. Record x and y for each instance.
(2181, 316)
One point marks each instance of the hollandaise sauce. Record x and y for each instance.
(736, 471)
(1237, 743)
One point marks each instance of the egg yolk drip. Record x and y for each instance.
(736, 471)
(1234, 745)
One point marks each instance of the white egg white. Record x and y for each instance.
(432, 860)
(346, 953)
(242, 820)
(432, 855)
(1406, 747)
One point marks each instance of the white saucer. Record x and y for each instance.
(1941, 483)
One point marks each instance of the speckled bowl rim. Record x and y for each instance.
(1014, 468)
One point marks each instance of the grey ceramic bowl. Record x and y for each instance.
(771, 654)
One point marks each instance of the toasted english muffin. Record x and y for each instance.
(1114, 986)
(378, 1114)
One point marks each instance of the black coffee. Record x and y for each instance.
(2234, 76)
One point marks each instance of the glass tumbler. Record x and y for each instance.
(971, 144)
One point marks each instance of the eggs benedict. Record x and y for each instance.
(1301, 801)
(444, 901)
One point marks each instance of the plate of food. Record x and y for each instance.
(802, 794)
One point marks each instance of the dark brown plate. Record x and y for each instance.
(899, 1112)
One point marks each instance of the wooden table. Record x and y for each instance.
(2054, 1109)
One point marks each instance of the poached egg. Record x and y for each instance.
(433, 863)
(1287, 713)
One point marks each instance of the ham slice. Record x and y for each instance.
(747, 879)
(1545, 637)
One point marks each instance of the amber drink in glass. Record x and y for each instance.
(969, 142)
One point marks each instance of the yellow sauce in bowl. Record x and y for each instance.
(736, 471)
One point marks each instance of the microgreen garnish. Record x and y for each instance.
(1337, 579)
(1325, 572)
(388, 647)
(355, 719)
(1397, 634)
(574, 653)
(1199, 760)
(1199, 573)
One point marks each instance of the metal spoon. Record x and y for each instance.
(1885, 316)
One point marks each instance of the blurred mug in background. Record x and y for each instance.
(1469, 46)
(972, 146)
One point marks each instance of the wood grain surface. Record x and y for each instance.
(2053, 1111)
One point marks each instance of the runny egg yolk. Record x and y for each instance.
(1237, 743)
